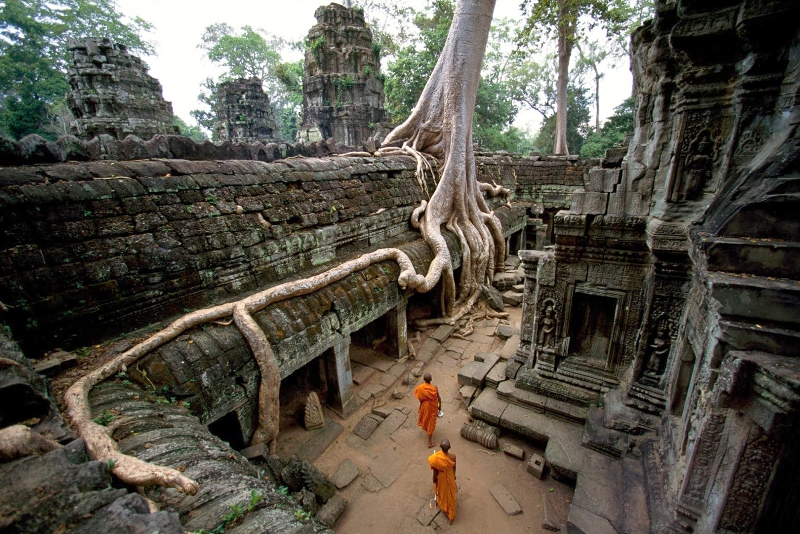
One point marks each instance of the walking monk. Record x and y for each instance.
(429, 405)
(443, 464)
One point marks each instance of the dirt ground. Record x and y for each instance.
(372, 507)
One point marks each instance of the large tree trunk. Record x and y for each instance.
(566, 29)
(441, 125)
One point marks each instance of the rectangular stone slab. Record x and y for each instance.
(321, 440)
(389, 465)
(465, 375)
(361, 373)
(345, 474)
(427, 512)
(367, 425)
(506, 501)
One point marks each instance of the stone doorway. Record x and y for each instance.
(594, 326)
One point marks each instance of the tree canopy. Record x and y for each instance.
(34, 56)
(254, 53)
(413, 64)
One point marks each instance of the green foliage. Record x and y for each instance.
(302, 515)
(495, 108)
(315, 45)
(577, 124)
(254, 52)
(613, 132)
(34, 56)
(192, 132)
(104, 418)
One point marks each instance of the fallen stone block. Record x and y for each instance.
(513, 451)
(504, 281)
(536, 466)
(506, 501)
(367, 425)
(581, 520)
(382, 411)
(493, 297)
(510, 347)
(372, 484)
(512, 298)
(331, 511)
(505, 331)
(427, 350)
(427, 513)
(549, 519)
(519, 288)
(259, 450)
(442, 332)
(465, 375)
(55, 363)
(467, 393)
(345, 474)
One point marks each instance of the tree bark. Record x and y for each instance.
(441, 125)
(566, 30)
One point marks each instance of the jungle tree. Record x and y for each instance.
(439, 127)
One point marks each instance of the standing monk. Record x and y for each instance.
(429, 405)
(443, 464)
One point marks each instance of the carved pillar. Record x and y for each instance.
(530, 263)
(656, 365)
(540, 232)
(340, 376)
(398, 330)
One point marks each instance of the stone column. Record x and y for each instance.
(398, 330)
(340, 376)
(530, 263)
(541, 233)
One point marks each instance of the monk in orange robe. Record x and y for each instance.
(429, 405)
(443, 464)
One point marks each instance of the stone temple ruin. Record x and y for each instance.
(342, 86)
(655, 363)
(112, 93)
(243, 113)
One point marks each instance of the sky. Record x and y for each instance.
(181, 67)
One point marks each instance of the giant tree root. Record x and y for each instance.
(101, 445)
(19, 441)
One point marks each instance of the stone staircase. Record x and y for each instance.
(610, 491)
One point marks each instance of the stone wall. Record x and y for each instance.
(244, 113)
(113, 94)
(696, 237)
(118, 244)
(112, 243)
(342, 86)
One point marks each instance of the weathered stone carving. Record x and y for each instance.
(313, 413)
(547, 326)
(244, 113)
(342, 89)
(113, 94)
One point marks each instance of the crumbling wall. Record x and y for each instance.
(113, 94)
(244, 113)
(342, 86)
(93, 246)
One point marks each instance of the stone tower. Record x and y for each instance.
(244, 113)
(113, 94)
(342, 87)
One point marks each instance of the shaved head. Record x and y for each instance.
(445, 445)
(427, 378)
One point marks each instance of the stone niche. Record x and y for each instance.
(113, 94)
(342, 87)
(244, 113)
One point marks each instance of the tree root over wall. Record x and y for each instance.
(441, 127)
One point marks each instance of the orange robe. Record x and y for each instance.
(428, 397)
(445, 483)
